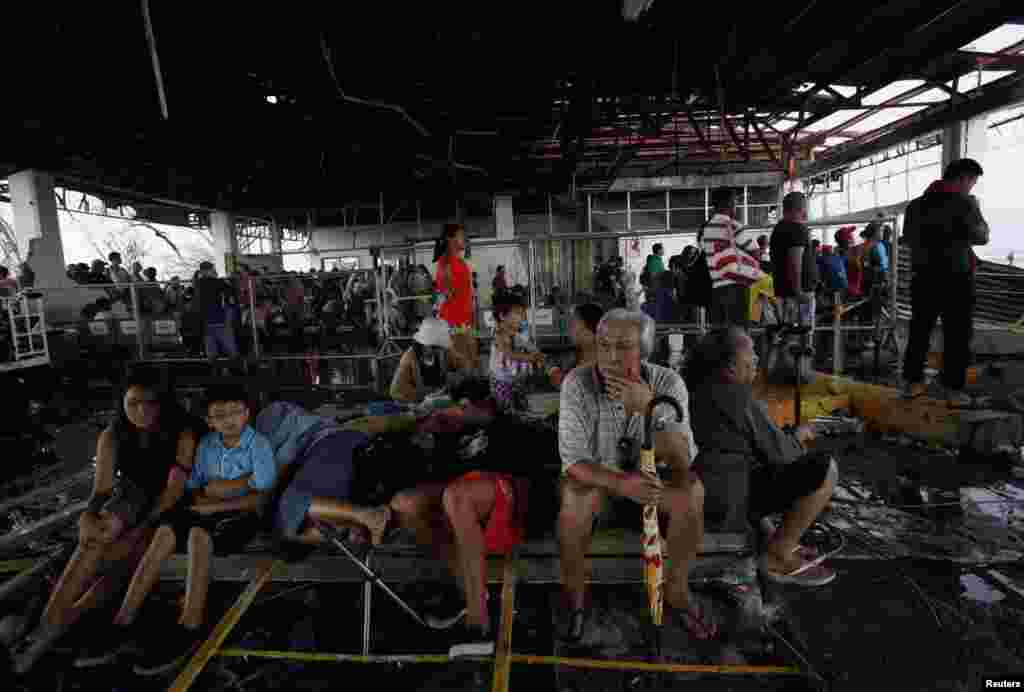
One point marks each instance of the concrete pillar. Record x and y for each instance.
(967, 139)
(976, 147)
(504, 217)
(37, 228)
(225, 243)
(37, 231)
(276, 238)
(952, 143)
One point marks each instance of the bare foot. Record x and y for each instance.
(378, 523)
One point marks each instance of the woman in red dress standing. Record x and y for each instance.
(454, 281)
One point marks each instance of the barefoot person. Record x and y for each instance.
(750, 467)
(316, 465)
(478, 513)
(600, 428)
(233, 473)
(143, 459)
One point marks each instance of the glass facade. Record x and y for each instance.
(676, 211)
(889, 177)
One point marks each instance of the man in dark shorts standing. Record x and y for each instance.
(751, 468)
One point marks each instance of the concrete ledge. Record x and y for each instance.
(615, 558)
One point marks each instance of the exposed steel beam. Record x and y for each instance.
(696, 128)
(764, 143)
(727, 124)
(1011, 59)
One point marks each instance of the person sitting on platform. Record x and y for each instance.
(143, 460)
(601, 427)
(315, 459)
(751, 468)
(583, 331)
(477, 513)
(426, 366)
(228, 485)
(512, 355)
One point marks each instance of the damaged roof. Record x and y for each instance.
(273, 111)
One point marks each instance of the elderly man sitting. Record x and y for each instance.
(600, 432)
(749, 466)
(426, 365)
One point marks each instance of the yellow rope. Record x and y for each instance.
(7, 566)
(600, 664)
(209, 648)
(528, 659)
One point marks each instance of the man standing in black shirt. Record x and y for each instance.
(941, 229)
(794, 265)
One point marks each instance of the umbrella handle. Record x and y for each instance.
(649, 416)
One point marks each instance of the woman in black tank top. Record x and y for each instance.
(142, 462)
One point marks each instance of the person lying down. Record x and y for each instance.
(316, 462)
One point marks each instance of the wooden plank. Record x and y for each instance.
(503, 650)
(220, 633)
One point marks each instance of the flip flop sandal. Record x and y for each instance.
(794, 576)
(805, 552)
(697, 620)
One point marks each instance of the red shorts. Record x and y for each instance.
(504, 530)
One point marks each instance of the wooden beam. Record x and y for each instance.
(220, 633)
(503, 648)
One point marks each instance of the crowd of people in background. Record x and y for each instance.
(744, 280)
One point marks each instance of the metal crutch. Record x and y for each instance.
(334, 536)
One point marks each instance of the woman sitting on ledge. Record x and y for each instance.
(428, 364)
(583, 330)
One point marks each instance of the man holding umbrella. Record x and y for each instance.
(601, 428)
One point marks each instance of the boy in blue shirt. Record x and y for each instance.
(233, 475)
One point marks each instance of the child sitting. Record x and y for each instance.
(233, 472)
(511, 353)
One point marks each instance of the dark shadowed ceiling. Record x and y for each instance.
(436, 98)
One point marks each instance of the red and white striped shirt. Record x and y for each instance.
(728, 263)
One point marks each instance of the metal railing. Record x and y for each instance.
(139, 330)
